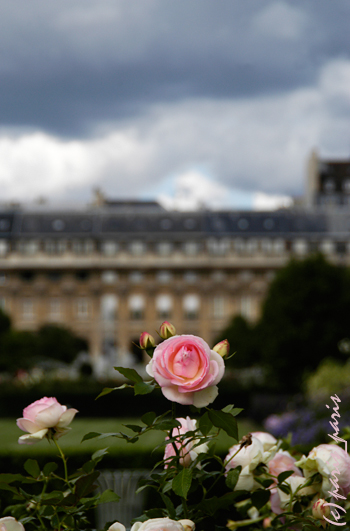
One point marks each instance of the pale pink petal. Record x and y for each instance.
(220, 370)
(27, 425)
(205, 396)
(172, 394)
(66, 418)
(49, 417)
(31, 411)
(149, 369)
(32, 438)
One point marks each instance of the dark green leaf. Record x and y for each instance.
(260, 498)
(9, 478)
(169, 505)
(148, 418)
(236, 411)
(133, 427)
(32, 467)
(90, 435)
(130, 374)
(143, 388)
(232, 477)
(5, 486)
(284, 475)
(297, 508)
(284, 488)
(182, 482)
(227, 408)
(225, 421)
(49, 468)
(85, 484)
(205, 424)
(109, 496)
(167, 424)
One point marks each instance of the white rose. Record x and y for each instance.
(280, 500)
(332, 462)
(163, 524)
(267, 440)
(249, 457)
(8, 523)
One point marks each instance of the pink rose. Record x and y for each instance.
(187, 370)
(187, 447)
(266, 439)
(43, 415)
(282, 462)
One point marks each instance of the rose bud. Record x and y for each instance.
(266, 522)
(146, 341)
(222, 348)
(320, 509)
(167, 330)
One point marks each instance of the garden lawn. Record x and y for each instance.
(71, 442)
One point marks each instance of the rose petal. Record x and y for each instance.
(49, 417)
(10, 524)
(67, 418)
(31, 411)
(32, 438)
(28, 425)
(173, 394)
(220, 366)
(205, 396)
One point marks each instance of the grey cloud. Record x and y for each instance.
(66, 67)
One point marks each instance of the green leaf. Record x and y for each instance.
(148, 418)
(133, 427)
(109, 496)
(49, 468)
(9, 478)
(182, 482)
(99, 454)
(108, 390)
(236, 411)
(85, 484)
(227, 408)
(90, 435)
(167, 424)
(130, 374)
(169, 505)
(205, 424)
(232, 477)
(32, 467)
(284, 475)
(143, 388)
(225, 421)
(5, 486)
(260, 498)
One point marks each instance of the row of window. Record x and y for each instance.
(138, 277)
(164, 305)
(214, 246)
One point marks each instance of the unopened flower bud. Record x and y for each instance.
(167, 330)
(266, 522)
(188, 525)
(320, 509)
(146, 340)
(222, 348)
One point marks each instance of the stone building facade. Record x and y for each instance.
(113, 270)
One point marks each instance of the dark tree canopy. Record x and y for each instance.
(305, 314)
(59, 343)
(243, 340)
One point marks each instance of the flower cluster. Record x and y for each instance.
(262, 482)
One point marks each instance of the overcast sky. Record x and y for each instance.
(217, 101)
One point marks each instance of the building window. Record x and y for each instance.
(164, 306)
(4, 247)
(329, 186)
(327, 246)
(55, 310)
(252, 246)
(346, 186)
(2, 279)
(279, 246)
(2, 304)
(266, 246)
(29, 247)
(136, 277)
(136, 306)
(164, 277)
(190, 277)
(218, 276)
(191, 306)
(191, 248)
(83, 309)
(218, 247)
(27, 310)
(109, 307)
(109, 248)
(109, 277)
(246, 307)
(300, 247)
(164, 248)
(137, 248)
(82, 246)
(218, 307)
(239, 245)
